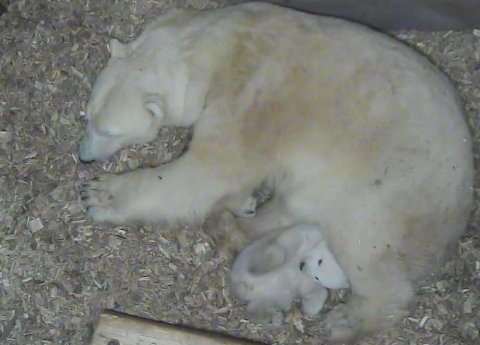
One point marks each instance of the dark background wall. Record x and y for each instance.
(398, 14)
(386, 14)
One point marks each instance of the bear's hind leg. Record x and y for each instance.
(375, 268)
(378, 301)
(381, 293)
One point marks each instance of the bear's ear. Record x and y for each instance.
(154, 104)
(117, 48)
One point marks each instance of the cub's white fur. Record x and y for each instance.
(284, 264)
(353, 130)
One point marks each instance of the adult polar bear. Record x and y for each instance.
(353, 130)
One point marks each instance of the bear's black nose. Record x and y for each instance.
(86, 162)
(302, 265)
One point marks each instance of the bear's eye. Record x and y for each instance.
(302, 265)
(103, 132)
(320, 262)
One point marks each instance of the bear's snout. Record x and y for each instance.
(81, 155)
(95, 147)
(81, 158)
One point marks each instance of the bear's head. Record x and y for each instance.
(128, 103)
(320, 264)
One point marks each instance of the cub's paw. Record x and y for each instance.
(102, 199)
(338, 327)
(314, 301)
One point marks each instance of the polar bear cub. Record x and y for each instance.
(285, 264)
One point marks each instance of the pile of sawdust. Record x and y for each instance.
(58, 270)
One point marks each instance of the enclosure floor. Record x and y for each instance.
(58, 270)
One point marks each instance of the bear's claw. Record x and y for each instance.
(97, 196)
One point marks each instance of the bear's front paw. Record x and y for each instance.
(102, 199)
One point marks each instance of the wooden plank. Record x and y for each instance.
(397, 14)
(120, 329)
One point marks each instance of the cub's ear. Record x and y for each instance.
(117, 48)
(154, 104)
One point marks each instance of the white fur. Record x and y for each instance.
(274, 270)
(353, 130)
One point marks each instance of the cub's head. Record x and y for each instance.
(127, 104)
(320, 264)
